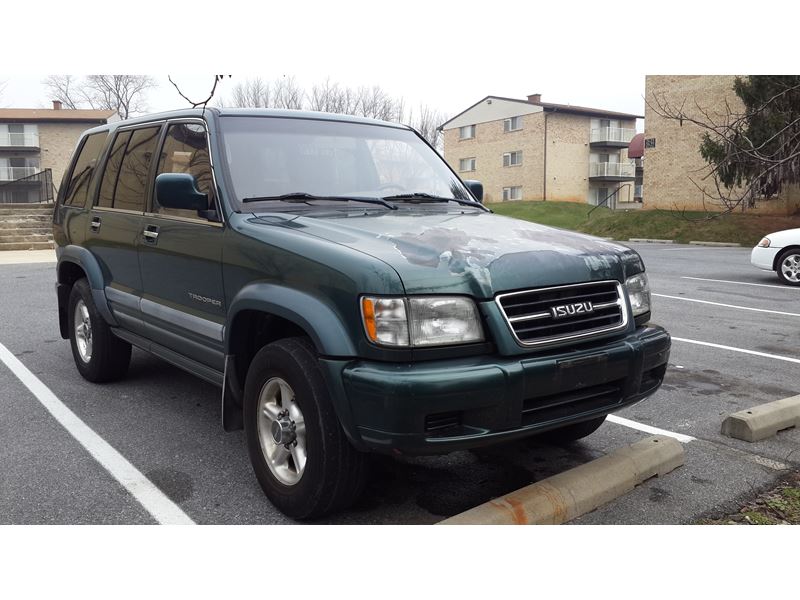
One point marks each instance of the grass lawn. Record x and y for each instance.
(745, 229)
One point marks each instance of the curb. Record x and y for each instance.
(570, 494)
(21, 257)
(763, 421)
(718, 244)
(650, 241)
(713, 244)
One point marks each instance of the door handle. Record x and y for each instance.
(150, 234)
(95, 224)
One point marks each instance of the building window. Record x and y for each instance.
(512, 159)
(467, 132)
(467, 164)
(512, 193)
(512, 124)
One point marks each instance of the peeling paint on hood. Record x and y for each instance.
(479, 254)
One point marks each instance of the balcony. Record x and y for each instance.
(610, 171)
(14, 173)
(19, 141)
(611, 137)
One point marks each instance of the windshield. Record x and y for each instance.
(275, 156)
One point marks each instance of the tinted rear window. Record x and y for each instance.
(85, 163)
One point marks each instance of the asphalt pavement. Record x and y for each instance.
(166, 422)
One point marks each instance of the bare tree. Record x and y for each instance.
(204, 102)
(253, 93)
(62, 88)
(287, 94)
(372, 102)
(426, 121)
(125, 94)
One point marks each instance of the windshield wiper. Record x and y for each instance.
(301, 197)
(426, 197)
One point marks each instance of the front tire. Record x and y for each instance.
(299, 452)
(789, 267)
(99, 355)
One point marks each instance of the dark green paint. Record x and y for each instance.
(310, 265)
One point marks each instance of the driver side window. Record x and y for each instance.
(185, 150)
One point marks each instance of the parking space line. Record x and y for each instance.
(742, 350)
(764, 310)
(682, 438)
(154, 501)
(780, 287)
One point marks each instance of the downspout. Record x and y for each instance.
(544, 176)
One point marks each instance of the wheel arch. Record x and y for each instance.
(781, 253)
(74, 263)
(262, 313)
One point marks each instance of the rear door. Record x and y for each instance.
(183, 305)
(115, 220)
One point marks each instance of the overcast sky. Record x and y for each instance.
(447, 55)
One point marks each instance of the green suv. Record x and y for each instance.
(346, 291)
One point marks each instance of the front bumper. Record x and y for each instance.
(439, 406)
(764, 258)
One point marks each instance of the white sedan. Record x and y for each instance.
(780, 252)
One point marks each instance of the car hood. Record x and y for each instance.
(475, 253)
(787, 237)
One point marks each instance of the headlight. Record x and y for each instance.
(764, 243)
(639, 293)
(421, 321)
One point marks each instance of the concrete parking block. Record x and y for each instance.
(650, 241)
(568, 495)
(763, 421)
(718, 244)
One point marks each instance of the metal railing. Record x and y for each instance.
(12, 173)
(610, 200)
(30, 140)
(610, 169)
(35, 188)
(612, 134)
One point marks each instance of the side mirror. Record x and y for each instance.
(476, 187)
(179, 190)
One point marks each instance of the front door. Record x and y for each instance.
(180, 252)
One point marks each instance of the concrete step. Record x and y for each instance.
(26, 207)
(26, 245)
(24, 225)
(43, 237)
(17, 218)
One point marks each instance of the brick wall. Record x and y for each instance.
(675, 162)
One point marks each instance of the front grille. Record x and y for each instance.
(548, 315)
(568, 404)
(442, 421)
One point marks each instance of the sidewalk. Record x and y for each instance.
(20, 257)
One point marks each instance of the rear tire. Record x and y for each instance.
(99, 355)
(285, 398)
(789, 267)
(572, 433)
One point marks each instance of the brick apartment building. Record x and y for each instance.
(534, 150)
(35, 147)
(675, 174)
